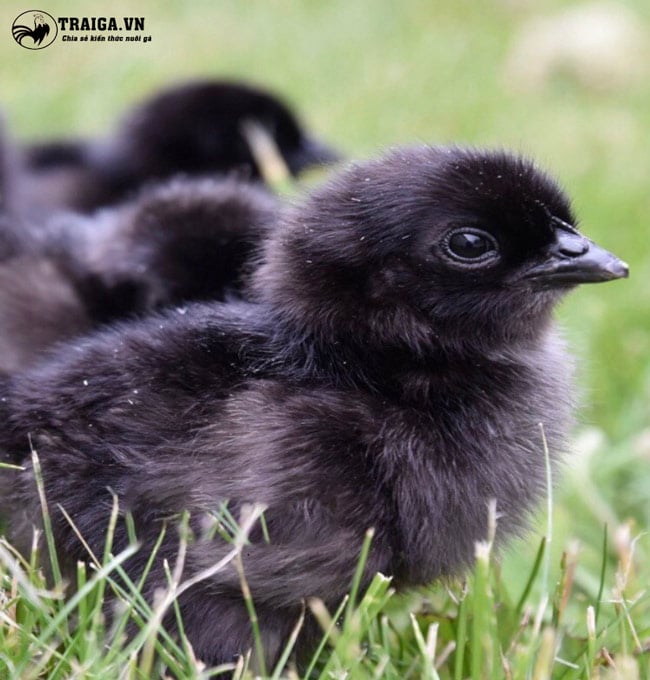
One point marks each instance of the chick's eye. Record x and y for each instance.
(471, 245)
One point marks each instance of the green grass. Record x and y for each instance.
(366, 75)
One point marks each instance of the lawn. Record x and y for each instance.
(367, 75)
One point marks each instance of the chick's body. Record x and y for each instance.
(392, 373)
(165, 415)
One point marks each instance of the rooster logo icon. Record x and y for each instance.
(34, 29)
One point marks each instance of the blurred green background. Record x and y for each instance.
(366, 74)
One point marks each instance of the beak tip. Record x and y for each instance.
(620, 270)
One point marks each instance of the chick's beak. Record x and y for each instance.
(312, 152)
(571, 259)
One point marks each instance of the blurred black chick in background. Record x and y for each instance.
(195, 128)
(181, 241)
(38, 305)
(168, 244)
(391, 372)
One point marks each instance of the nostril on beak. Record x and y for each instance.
(571, 245)
(580, 249)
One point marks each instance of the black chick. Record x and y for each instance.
(181, 241)
(178, 242)
(392, 373)
(195, 128)
(38, 302)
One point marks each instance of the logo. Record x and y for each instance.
(34, 29)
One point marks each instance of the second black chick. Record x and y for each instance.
(195, 128)
(392, 373)
(182, 241)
